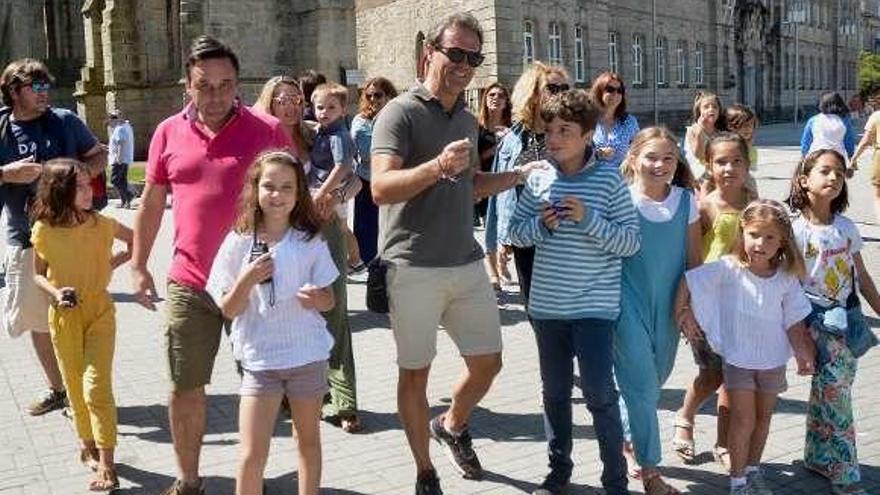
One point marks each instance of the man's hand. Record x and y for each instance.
(23, 171)
(455, 157)
(144, 288)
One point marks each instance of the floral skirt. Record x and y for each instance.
(831, 436)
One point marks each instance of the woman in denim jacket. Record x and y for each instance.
(523, 144)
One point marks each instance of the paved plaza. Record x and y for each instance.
(38, 456)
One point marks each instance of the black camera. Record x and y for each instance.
(68, 299)
(258, 249)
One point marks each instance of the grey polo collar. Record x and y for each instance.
(422, 93)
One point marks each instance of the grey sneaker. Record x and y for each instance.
(459, 449)
(758, 484)
(49, 401)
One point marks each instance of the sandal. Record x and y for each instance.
(684, 448)
(350, 424)
(633, 470)
(88, 457)
(654, 484)
(105, 481)
(722, 456)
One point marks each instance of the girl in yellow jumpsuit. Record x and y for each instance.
(73, 264)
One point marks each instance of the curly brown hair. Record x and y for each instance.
(56, 194)
(304, 217)
(366, 108)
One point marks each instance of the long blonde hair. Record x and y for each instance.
(264, 102)
(683, 177)
(526, 98)
(788, 258)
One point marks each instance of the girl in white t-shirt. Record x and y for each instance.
(831, 245)
(750, 307)
(271, 277)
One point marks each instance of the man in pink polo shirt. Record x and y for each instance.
(201, 156)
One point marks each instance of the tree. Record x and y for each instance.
(869, 74)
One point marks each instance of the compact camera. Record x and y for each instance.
(258, 249)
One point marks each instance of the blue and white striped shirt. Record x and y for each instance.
(577, 266)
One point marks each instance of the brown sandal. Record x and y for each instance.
(350, 424)
(88, 457)
(684, 449)
(655, 484)
(105, 481)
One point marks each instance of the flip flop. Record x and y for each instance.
(654, 484)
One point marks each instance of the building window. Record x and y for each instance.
(580, 70)
(660, 54)
(528, 43)
(698, 65)
(681, 64)
(612, 52)
(554, 48)
(638, 62)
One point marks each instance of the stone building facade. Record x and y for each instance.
(128, 54)
(742, 50)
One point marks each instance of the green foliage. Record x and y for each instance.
(869, 74)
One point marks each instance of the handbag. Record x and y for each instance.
(377, 285)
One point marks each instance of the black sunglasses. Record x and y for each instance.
(554, 88)
(614, 89)
(457, 56)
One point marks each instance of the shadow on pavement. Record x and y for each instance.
(671, 400)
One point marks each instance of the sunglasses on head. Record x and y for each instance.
(554, 88)
(458, 55)
(614, 89)
(40, 86)
(288, 100)
(378, 95)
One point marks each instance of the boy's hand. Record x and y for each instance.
(576, 208)
(257, 270)
(549, 216)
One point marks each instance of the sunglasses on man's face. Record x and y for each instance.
(614, 89)
(458, 55)
(40, 86)
(554, 88)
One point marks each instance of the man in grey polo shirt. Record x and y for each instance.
(424, 164)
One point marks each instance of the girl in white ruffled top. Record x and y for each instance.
(750, 308)
(272, 278)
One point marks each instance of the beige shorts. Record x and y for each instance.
(770, 381)
(302, 382)
(25, 306)
(460, 298)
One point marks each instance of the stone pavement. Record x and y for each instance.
(39, 455)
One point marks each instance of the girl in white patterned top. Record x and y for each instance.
(750, 307)
(271, 277)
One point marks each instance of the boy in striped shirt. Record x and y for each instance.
(580, 218)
